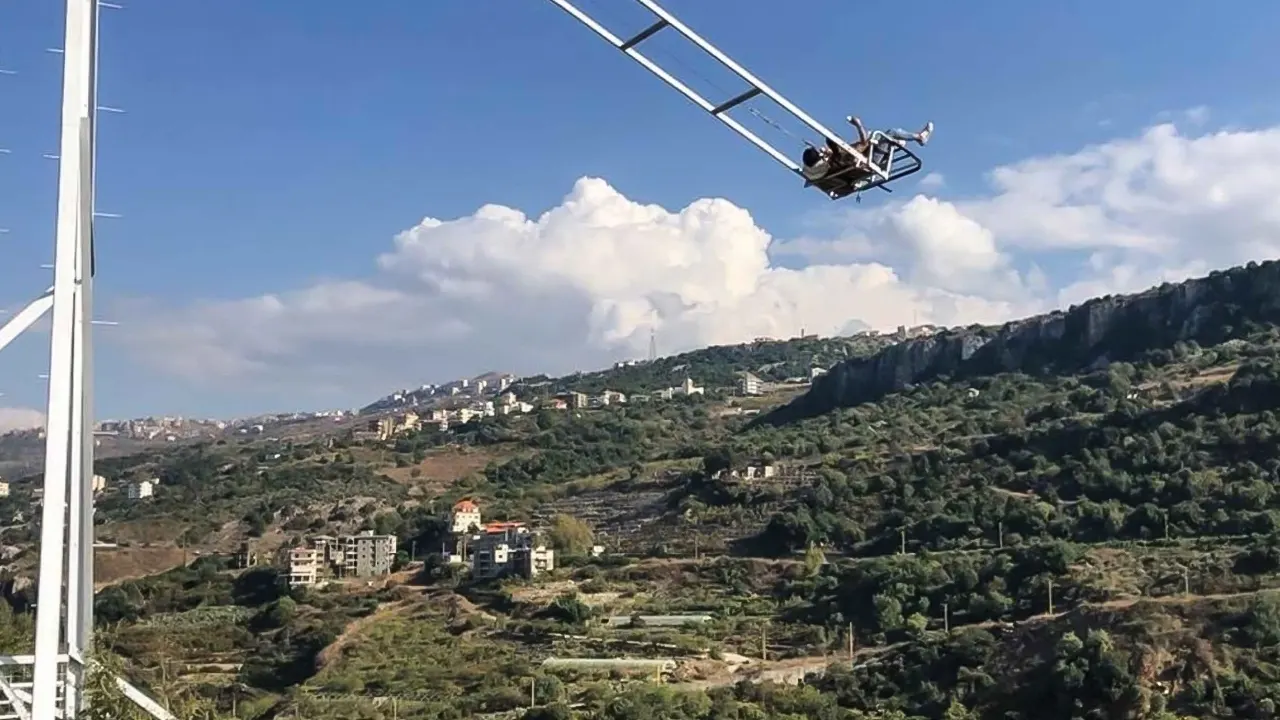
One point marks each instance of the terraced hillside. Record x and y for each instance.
(1080, 540)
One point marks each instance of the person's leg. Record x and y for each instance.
(921, 137)
(856, 122)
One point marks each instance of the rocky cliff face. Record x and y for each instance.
(1223, 306)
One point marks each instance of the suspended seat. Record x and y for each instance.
(839, 175)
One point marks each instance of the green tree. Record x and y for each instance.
(571, 536)
(814, 559)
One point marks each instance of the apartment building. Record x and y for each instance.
(305, 566)
(748, 384)
(322, 557)
(509, 548)
(367, 555)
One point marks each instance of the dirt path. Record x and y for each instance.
(355, 628)
(790, 671)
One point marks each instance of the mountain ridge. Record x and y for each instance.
(1221, 306)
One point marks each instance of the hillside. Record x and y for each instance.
(1226, 305)
(1076, 519)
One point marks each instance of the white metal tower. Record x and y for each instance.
(64, 611)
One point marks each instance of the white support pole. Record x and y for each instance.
(755, 82)
(631, 51)
(60, 593)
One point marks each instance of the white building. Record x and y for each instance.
(304, 566)
(465, 518)
(348, 556)
(688, 388)
(4, 489)
(748, 384)
(140, 489)
(508, 548)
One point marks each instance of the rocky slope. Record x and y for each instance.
(1223, 306)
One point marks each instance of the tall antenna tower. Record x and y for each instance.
(64, 611)
(653, 344)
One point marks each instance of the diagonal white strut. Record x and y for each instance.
(29, 316)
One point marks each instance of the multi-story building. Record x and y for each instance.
(347, 556)
(305, 565)
(748, 384)
(508, 548)
(367, 555)
(465, 518)
(4, 489)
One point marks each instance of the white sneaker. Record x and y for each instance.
(926, 133)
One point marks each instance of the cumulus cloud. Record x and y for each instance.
(586, 282)
(20, 418)
(581, 285)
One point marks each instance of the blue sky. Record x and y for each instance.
(267, 147)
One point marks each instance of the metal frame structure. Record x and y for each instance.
(64, 610)
(871, 171)
(50, 684)
(893, 155)
(64, 602)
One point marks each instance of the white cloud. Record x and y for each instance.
(932, 181)
(583, 284)
(20, 418)
(577, 287)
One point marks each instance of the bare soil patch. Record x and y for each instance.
(115, 565)
(444, 467)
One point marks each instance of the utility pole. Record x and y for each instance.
(764, 642)
(850, 642)
(413, 550)
(1050, 596)
(1166, 524)
(946, 617)
(1000, 534)
(902, 547)
(533, 692)
(1186, 581)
